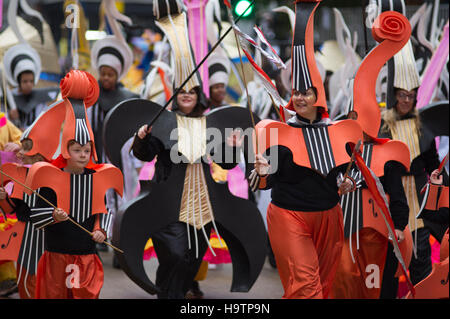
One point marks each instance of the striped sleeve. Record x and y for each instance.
(103, 222)
(41, 217)
(41, 213)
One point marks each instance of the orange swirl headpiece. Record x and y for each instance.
(79, 90)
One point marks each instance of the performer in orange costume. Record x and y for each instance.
(305, 218)
(70, 267)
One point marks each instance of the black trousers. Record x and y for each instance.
(419, 268)
(178, 264)
(389, 284)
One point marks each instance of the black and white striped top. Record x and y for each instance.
(106, 221)
(40, 216)
(80, 197)
(351, 203)
(319, 148)
(32, 246)
(80, 204)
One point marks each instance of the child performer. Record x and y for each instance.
(71, 204)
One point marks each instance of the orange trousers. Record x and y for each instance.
(307, 248)
(62, 276)
(26, 283)
(361, 279)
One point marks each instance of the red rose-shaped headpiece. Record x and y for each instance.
(80, 85)
(391, 25)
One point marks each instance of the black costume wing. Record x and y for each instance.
(125, 119)
(435, 117)
(226, 118)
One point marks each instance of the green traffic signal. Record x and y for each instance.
(241, 6)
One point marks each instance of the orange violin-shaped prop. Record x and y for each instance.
(11, 239)
(16, 172)
(79, 90)
(435, 286)
(271, 133)
(43, 174)
(392, 30)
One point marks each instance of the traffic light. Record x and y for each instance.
(240, 6)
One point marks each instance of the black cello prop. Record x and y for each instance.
(238, 221)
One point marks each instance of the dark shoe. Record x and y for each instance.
(8, 287)
(194, 292)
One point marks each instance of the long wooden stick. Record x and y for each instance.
(48, 202)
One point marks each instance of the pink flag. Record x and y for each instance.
(198, 37)
(1, 13)
(433, 71)
(8, 157)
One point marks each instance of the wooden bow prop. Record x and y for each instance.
(197, 67)
(352, 159)
(442, 165)
(49, 203)
(349, 166)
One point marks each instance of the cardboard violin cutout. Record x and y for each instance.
(238, 221)
(17, 172)
(23, 242)
(44, 174)
(11, 239)
(392, 30)
(435, 286)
